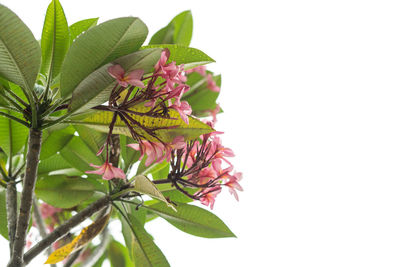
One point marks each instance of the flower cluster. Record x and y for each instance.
(200, 164)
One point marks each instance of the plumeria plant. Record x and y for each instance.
(97, 127)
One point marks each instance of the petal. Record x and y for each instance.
(108, 174)
(118, 173)
(134, 75)
(116, 72)
(137, 83)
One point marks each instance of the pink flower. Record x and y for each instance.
(205, 175)
(221, 173)
(177, 143)
(154, 151)
(184, 109)
(170, 72)
(132, 78)
(211, 84)
(234, 185)
(199, 69)
(208, 196)
(48, 210)
(221, 151)
(163, 60)
(108, 171)
(214, 113)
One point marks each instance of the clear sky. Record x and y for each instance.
(310, 95)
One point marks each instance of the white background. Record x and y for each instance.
(311, 99)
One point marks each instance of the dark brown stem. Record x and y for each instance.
(66, 227)
(115, 150)
(32, 161)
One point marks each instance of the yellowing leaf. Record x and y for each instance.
(172, 127)
(86, 235)
(143, 185)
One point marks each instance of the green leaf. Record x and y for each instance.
(100, 120)
(93, 139)
(155, 167)
(163, 36)
(55, 39)
(176, 196)
(13, 135)
(201, 98)
(63, 192)
(96, 88)
(53, 163)
(101, 45)
(183, 28)
(142, 248)
(19, 51)
(3, 214)
(181, 54)
(178, 31)
(129, 155)
(193, 220)
(55, 140)
(79, 155)
(80, 27)
(143, 185)
(118, 255)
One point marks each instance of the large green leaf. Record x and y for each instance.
(101, 45)
(178, 31)
(79, 155)
(55, 39)
(118, 255)
(93, 139)
(63, 192)
(13, 135)
(80, 27)
(100, 120)
(19, 51)
(181, 54)
(193, 220)
(53, 141)
(142, 248)
(55, 163)
(96, 88)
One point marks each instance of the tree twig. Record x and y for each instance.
(32, 161)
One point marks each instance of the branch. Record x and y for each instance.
(14, 118)
(11, 212)
(40, 224)
(66, 227)
(73, 257)
(32, 161)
